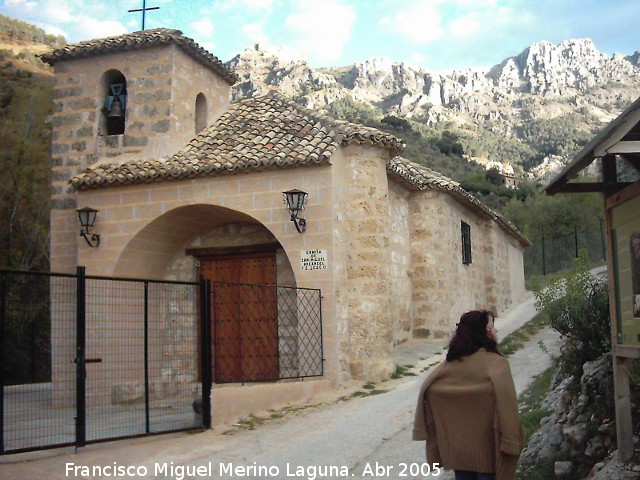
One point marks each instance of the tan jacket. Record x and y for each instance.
(468, 413)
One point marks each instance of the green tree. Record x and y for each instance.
(557, 226)
(561, 135)
(449, 144)
(556, 215)
(494, 176)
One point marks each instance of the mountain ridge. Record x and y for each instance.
(544, 82)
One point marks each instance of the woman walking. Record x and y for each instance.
(468, 409)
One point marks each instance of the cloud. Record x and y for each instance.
(67, 17)
(203, 27)
(419, 22)
(53, 30)
(465, 27)
(48, 11)
(21, 4)
(90, 28)
(58, 11)
(209, 46)
(253, 5)
(320, 30)
(477, 3)
(417, 59)
(257, 4)
(255, 32)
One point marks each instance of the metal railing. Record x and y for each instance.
(266, 333)
(552, 253)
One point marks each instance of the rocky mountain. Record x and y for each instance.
(544, 83)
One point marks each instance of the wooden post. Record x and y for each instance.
(620, 353)
(624, 425)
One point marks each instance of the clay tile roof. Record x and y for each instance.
(419, 177)
(139, 40)
(259, 133)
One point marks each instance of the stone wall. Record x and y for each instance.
(443, 286)
(400, 263)
(508, 269)
(364, 284)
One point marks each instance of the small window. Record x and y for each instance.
(201, 113)
(466, 242)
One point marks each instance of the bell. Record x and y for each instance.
(116, 109)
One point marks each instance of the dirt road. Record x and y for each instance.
(368, 437)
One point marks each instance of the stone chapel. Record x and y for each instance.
(144, 132)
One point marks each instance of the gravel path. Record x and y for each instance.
(366, 438)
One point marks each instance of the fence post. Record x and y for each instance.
(205, 348)
(147, 421)
(544, 263)
(3, 305)
(81, 414)
(602, 242)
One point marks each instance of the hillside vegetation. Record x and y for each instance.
(15, 31)
(25, 105)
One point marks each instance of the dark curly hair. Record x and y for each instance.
(471, 335)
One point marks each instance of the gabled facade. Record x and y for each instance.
(406, 250)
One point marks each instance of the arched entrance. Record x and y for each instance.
(254, 334)
(170, 246)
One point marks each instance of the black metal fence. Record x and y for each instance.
(86, 358)
(89, 358)
(552, 253)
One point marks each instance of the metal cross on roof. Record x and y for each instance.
(144, 10)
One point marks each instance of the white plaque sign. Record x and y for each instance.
(313, 260)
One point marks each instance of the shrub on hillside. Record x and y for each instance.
(577, 307)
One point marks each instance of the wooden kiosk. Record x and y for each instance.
(618, 142)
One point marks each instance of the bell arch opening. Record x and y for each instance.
(113, 102)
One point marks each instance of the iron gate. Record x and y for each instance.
(87, 358)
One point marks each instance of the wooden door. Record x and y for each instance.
(245, 317)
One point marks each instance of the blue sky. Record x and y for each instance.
(435, 34)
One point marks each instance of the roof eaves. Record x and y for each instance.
(587, 155)
(419, 177)
(135, 173)
(139, 40)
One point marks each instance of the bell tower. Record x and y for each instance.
(133, 97)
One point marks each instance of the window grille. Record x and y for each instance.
(466, 242)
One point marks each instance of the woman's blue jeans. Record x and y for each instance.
(463, 475)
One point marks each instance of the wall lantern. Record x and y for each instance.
(295, 200)
(87, 219)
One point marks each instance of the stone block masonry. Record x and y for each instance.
(367, 279)
(159, 118)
